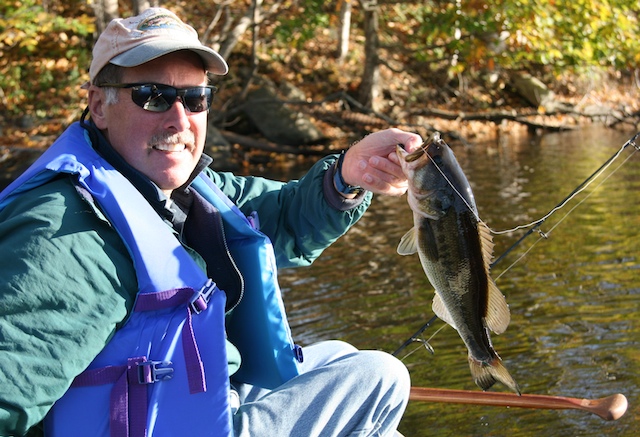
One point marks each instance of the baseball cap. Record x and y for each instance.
(130, 42)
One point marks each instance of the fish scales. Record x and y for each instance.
(455, 250)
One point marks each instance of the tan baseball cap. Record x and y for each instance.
(156, 32)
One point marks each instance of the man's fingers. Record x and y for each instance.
(383, 182)
(388, 166)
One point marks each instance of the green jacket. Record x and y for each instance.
(67, 281)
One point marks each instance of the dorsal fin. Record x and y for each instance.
(408, 243)
(486, 240)
(497, 317)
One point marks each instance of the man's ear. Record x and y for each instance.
(97, 106)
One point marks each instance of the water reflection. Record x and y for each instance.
(574, 298)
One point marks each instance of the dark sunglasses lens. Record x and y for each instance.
(197, 99)
(153, 98)
(159, 98)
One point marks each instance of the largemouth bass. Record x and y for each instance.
(455, 250)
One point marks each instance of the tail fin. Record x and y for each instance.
(487, 374)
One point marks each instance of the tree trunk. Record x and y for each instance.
(255, 14)
(105, 11)
(369, 90)
(140, 6)
(345, 27)
(233, 37)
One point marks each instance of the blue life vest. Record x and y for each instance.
(165, 372)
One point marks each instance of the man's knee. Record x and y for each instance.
(386, 370)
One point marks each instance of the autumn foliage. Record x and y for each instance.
(451, 53)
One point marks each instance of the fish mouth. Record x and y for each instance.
(432, 147)
(436, 145)
(417, 154)
(413, 156)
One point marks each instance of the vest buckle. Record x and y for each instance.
(154, 371)
(198, 303)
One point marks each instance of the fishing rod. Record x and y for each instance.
(535, 226)
(578, 189)
(415, 336)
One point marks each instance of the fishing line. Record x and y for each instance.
(422, 342)
(536, 224)
(580, 188)
(533, 225)
(436, 138)
(545, 235)
(414, 337)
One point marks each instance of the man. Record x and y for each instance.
(109, 241)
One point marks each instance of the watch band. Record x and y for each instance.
(339, 183)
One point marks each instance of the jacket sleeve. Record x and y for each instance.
(301, 217)
(65, 284)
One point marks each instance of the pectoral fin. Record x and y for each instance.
(408, 243)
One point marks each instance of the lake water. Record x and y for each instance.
(574, 297)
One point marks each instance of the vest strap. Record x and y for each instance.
(193, 361)
(128, 412)
(198, 302)
(129, 403)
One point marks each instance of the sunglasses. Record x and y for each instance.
(159, 98)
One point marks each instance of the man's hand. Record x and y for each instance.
(372, 162)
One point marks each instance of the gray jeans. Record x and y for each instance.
(341, 391)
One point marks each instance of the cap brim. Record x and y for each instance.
(213, 62)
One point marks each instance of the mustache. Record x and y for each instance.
(186, 137)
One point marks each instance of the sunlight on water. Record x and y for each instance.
(574, 298)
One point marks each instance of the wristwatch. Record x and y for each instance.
(339, 183)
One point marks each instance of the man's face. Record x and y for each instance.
(164, 146)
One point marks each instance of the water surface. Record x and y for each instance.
(574, 297)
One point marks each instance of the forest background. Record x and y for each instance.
(472, 68)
